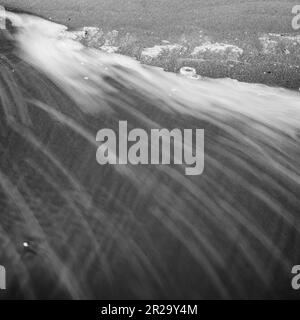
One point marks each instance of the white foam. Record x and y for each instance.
(156, 51)
(233, 51)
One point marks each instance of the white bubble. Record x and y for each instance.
(25, 244)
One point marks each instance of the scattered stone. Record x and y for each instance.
(29, 248)
(195, 77)
(189, 73)
(25, 244)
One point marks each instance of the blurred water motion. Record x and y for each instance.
(140, 231)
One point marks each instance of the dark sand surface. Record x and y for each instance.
(168, 16)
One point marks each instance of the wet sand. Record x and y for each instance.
(168, 16)
(237, 22)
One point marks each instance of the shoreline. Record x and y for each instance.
(141, 26)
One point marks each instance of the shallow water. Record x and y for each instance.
(140, 231)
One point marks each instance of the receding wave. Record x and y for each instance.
(140, 231)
